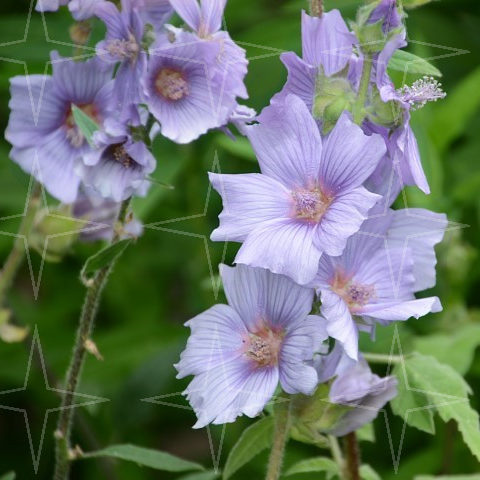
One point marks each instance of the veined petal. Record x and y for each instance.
(189, 11)
(288, 148)
(283, 246)
(249, 200)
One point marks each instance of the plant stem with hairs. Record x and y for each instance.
(352, 456)
(17, 254)
(84, 331)
(359, 106)
(281, 432)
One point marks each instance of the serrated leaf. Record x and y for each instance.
(254, 439)
(146, 457)
(410, 405)
(448, 392)
(8, 476)
(368, 473)
(456, 350)
(403, 61)
(317, 464)
(102, 259)
(85, 124)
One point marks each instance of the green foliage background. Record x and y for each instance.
(167, 277)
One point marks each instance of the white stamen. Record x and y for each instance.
(427, 89)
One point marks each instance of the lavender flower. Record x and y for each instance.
(100, 213)
(80, 9)
(364, 392)
(309, 198)
(155, 12)
(123, 45)
(181, 91)
(52, 138)
(205, 18)
(375, 278)
(118, 168)
(241, 351)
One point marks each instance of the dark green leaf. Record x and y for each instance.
(146, 457)
(8, 476)
(318, 464)
(409, 63)
(102, 259)
(86, 124)
(254, 439)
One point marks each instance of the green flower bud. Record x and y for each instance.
(54, 232)
(388, 114)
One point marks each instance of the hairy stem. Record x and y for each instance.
(359, 106)
(84, 331)
(280, 438)
(352, 454)
(337, 454)
(316, 8)
(17, 254)
(382, 358)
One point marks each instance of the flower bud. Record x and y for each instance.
(80, 32)
(388, 114)
(54, 232)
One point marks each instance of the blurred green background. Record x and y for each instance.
(167, 277)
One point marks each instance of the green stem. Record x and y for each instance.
(84, 331)
(280, 438)
(337, 455)
(17, 254)
(359, 106)
(316, 8)
(352, 454)
(382, 358)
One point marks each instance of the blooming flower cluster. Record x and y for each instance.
(316, 225)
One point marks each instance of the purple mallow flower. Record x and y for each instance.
(205, 19)
(239, 352)
(181, 90)
(48, 137)
(119, 166)
(154, 12)
(363, 392)
(375, 278)
(80, 9)
(309, 198)
(123, 45)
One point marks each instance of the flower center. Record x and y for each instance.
(171, 84)
(263, 347)
(123, 49)
(310, 204)
(427, 89)
(74, 134)
(355, 295)
(120, 155)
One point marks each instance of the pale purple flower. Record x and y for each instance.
(120, 165)
(49, 5)
(154, 12)
(327, 47)
(181, 90)
(240, 352)
(49, 137)
(101, 213)
(375, 278)
(364, 392)
(80, 9)
(123, 45)
(205, 19)
(309, 198)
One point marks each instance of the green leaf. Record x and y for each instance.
(254, 439)
(366, 433)
(448, 393)
(239, 147)
(85, 123)
(456, 110)
(403, 61)
(317, 464)
(368, 473)
(449, 477)
(103, 258)
(8, 476)
(210, 475)
(456, 350)
(146, 457)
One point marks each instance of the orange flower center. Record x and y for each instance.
(310, 204)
